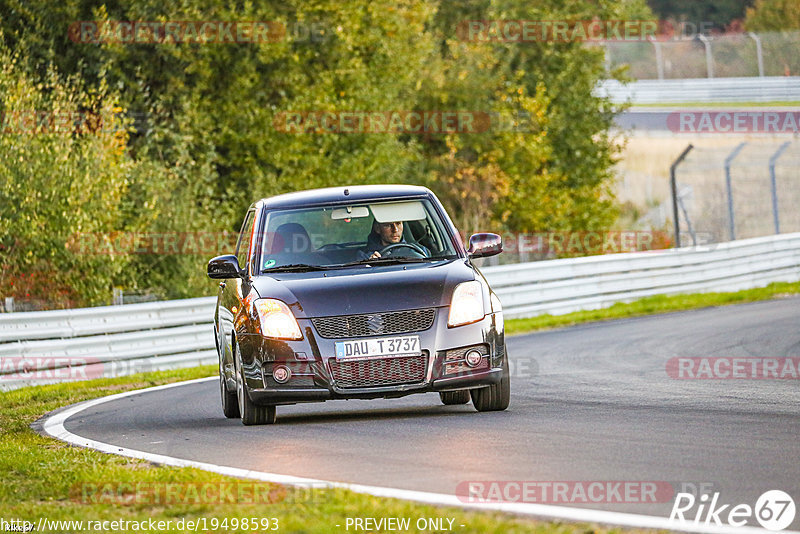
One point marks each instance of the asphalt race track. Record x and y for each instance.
(589, 403)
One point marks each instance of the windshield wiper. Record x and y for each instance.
(295, 267)
(388, 260)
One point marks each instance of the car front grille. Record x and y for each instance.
(380, 372)
(374, 324)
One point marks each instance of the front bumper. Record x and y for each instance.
(316, 375)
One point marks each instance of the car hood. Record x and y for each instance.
(357, 290)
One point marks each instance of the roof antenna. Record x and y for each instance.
(346, 192)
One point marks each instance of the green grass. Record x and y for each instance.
(43, 477)
(651, 305)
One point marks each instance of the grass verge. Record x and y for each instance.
(45, 478)
(652, 305)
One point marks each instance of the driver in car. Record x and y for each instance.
(385, 234)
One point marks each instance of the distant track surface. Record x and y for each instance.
(589, 403)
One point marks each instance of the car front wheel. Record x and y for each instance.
(251, 413)
(496, 397)
(230, 404)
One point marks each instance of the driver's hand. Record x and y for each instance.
(375, 254)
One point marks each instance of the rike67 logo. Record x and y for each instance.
(774, 510)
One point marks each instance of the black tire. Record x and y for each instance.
(454, 397)
(494, 398)
(230, 404)
(250, 413)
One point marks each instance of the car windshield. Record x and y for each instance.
(328, 237)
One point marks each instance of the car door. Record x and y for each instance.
(230, 293)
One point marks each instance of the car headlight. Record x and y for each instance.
(467, 304)
(277, 320)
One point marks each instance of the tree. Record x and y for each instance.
(773, 15)
(557, 162)
(205, 142)
(716, 14)
(63, 173)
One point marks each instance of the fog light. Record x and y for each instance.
(473, 358)
(281, 374)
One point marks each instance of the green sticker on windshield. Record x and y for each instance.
(269, 263)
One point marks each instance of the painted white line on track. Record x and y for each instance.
(54, 426)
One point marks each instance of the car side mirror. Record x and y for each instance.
(226, 266)
(484, 245)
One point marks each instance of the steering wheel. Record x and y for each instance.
(418, 251)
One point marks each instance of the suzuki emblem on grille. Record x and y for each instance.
(375, 323)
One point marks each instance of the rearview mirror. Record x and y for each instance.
(226, 266)
(484, 245)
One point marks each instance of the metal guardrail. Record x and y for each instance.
(51, 346)
(566, 285)
(766, 89)
(104, 319)
(118, 340)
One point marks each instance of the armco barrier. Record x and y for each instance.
(107, 341)
(755, 89)
(566, 285)
(117, 340)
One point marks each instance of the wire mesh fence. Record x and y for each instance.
(720, 56)
(743, 190)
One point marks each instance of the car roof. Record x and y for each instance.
(344, 195)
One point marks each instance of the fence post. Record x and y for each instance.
(674, 188)
(659, 58)
(728, 160)
(759, 53)
(709, 57)
(9, 305)
(686, 215)
(772, 160)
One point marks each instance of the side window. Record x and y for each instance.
(243, 245)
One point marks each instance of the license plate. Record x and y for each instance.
(378, 347)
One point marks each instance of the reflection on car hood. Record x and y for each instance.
(364, 289)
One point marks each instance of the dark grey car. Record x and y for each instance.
(315, 304)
